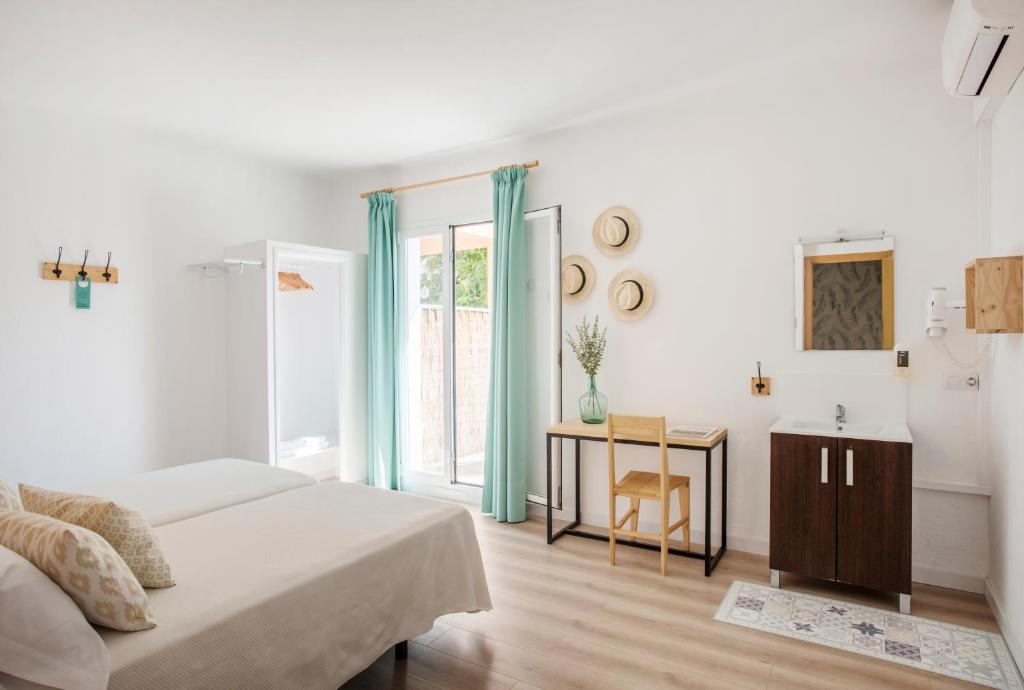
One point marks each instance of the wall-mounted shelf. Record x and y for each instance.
(225, 267)
(994, 300)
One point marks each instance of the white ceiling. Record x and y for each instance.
(330, 83)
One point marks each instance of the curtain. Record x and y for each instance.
(381, 347)
(504, 494)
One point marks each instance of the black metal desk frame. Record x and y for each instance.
(710, 560)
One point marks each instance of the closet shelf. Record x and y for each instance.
(224, 267)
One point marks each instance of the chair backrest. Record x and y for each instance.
(632, 428)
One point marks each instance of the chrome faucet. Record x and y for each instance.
(840, 416)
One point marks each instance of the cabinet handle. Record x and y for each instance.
(824, 465)
(849, 466)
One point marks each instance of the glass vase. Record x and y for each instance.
(593, 404)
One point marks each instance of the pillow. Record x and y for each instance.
(83, 564)
(9, 498)
(123, 528)
(43, 636)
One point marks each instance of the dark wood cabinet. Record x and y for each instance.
(803, 505)
(841, 510)
(875, 491)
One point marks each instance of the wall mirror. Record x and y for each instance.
(844, 294)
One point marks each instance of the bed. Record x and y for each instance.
(302, 588)
(178, 493)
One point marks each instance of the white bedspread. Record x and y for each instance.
(185, 491)
(302, 589)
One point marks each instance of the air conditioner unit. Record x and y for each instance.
(983, 52)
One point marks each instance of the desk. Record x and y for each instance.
(578, 431)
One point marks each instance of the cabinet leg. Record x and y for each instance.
(905, 603)
(775, 579)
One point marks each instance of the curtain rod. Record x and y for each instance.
(403, 188)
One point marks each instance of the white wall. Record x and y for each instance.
(138, 381)
(1006, 440)
(724, 180)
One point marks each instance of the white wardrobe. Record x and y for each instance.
(296, 358)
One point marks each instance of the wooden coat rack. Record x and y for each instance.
(99, 275)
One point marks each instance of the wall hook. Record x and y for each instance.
(56, 269)
(760, 385)
(81, 272)
(106, 270)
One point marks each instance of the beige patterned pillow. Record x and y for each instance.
(125, 529)
(83, 564)
(9, 498)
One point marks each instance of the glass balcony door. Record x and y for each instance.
(445, 309)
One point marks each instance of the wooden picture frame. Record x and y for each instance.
(888, 311)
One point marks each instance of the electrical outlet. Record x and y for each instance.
(967, 382)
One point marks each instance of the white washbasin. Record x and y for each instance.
(861, 429)
(895, 431)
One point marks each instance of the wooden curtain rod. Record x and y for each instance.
(431, 183)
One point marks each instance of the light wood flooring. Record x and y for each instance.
(564, 619)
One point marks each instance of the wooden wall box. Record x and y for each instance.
(994, 294)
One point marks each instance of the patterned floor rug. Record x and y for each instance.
(952, 650)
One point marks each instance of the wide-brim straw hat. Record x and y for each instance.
(578, 278)
(616, 231)
(630, 295)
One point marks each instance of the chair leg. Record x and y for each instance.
(684, 512)
(634, 505)
(664, 532)
(611, 527)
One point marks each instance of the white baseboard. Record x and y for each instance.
(929, 575)
(923, 574)
(1009, 634)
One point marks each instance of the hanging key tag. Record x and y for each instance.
(83, 290)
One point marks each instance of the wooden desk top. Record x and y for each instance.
(576, 428)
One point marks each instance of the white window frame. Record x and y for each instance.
(443, 485)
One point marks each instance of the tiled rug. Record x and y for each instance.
(952, 650)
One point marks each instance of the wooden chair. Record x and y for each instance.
(645, 485)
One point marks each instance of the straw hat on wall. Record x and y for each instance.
(616, 231)
(578, 278)
(630, 295)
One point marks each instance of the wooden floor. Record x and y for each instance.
(565, 619)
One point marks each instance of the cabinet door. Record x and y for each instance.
(803, 505)
(875, 494)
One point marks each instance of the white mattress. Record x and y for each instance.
(185, 491)
(302, 589)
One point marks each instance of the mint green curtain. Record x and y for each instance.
(382, 345)
(504, 494)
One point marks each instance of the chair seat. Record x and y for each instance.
(647, 484)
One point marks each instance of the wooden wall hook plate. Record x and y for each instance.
(766, 380)
(69, 272)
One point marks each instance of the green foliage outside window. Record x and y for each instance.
(470, 278)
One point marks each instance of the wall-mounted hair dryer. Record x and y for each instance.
(935, 312)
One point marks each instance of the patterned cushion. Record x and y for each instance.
(125, 529)
(9, 498)
(83, 564)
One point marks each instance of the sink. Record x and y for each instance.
(851, 429)
(896, 431)
(814, 426)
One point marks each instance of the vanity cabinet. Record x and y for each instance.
(841, 510)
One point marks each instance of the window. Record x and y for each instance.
(446, 347)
